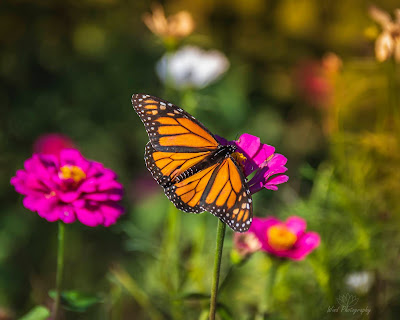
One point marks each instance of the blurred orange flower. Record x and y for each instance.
(176, 26)
(331, 63)
(388, 42)
(6, 314)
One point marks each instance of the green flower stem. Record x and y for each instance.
(217, 267)
(60, 268)
(390, 112)
(188, 100)
(170, 258)
(266, 305)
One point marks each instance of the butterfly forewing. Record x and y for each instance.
(170, 128)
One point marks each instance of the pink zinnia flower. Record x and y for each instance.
(246, 243)
(52, 143)
(68, 188)
(285, 239)
(256, 156)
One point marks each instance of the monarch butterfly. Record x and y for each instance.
(197, 172)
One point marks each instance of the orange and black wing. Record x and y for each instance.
(170, 128)
(178, 142)
(165, 166)
(227, 196)
(220, 189)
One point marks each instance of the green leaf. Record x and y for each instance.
(224, 312)
(308, 172)
(37, 313)
(76, 301)
(204, 314)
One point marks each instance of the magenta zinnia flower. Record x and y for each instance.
(285, 239)
(52, 143)
(68, 188)
(259, 157)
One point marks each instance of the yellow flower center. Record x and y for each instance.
(239, 157)
(71, 172)
(270, 157)
(280, 237)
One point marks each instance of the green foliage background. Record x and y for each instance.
(72, 66)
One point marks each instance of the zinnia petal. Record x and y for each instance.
(50, 216)
(277, 160)
(52, 143)
(307, 243)
(111, 212)
(91, 218)
(272, 184)
(297, 225)
(75, 158)
(255, 152)
(259, 227)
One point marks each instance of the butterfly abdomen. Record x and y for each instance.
(216, 156)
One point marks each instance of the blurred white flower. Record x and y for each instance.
(192, 67)
(388, 42)
(359, 282)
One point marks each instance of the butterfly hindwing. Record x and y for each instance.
(166, 166)
(186, 194)
(228, 197)
(220, 189)
(162, 166)
(171, 129)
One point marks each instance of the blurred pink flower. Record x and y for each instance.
(246, 243)
(256, 156)
(143, 186)
(52, 143)
(312, 83)
(69, 188)
(285, 239)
